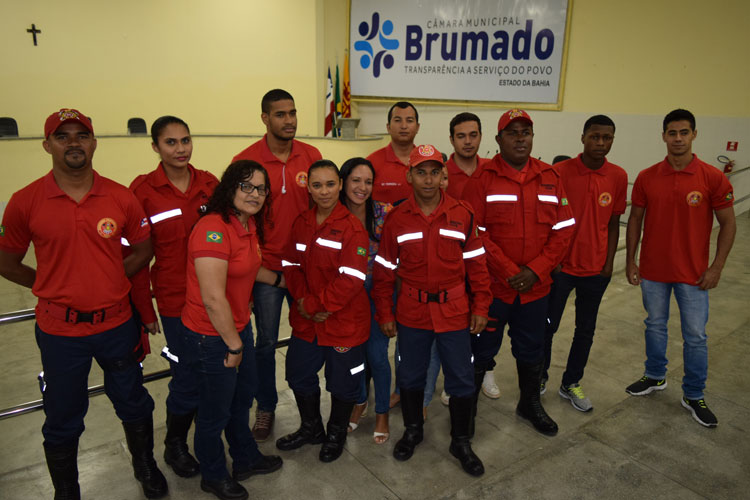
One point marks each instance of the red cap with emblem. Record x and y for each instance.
(426, 152)
(66, 115)
(512, 115)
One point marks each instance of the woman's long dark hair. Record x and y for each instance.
(344, 173)
(222, 201)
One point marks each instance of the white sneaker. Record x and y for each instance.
(445, 398)
(489, 387)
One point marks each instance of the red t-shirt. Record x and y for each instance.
(212, 237)
(289, 196)
(457, 178)
(172, 215)
(594, 196)
(390, 183)
(77, 247)
(678, 219)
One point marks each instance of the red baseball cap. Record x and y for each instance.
(512, 115)
(426, 152)
(66, 115)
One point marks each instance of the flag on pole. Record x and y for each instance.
(329, 110)
(346, 101)
(337, 106)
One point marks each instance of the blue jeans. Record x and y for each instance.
(183, 393)
(433, 370)
(693, 305)
(224, 405)
(376, 350)
(267, 302)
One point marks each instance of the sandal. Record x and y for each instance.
(358, 412)
(381, 437)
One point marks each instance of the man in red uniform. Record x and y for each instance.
(286, 161)
(597, 192)
(678, 198)
(526, 225)
(431, 243)
(75, 218)
(392, 162)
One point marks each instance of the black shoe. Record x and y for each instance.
(462, 415)
(333, 446)
(469, 461)
(530, 405)
(266, 465)
(404, 448)
(311, 429)
(140, 438)
(176, 453)
(226, 489)
(62, 462)
(700, 412)
(646, 385)
(411, 409)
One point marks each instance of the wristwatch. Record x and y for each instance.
(236, 351)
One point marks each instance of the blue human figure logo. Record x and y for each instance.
(369, 56)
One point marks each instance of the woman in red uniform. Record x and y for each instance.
(224, 260)
(325, 268)
(172, 196)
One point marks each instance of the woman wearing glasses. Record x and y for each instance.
(224, 260)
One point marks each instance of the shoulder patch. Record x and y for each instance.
(564, 202)
(728, 197)
(214, 237)
(2, 230)
(360, 251)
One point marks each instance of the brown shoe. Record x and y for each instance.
(263, 425)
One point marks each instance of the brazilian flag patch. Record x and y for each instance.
(361, 251)
(564, 201)
(728, 197)
(214, 236)
(2, 230)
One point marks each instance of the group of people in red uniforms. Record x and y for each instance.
(405, 243)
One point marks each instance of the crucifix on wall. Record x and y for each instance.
(33, 32)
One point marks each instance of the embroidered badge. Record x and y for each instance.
(514, 113)
(341, 349)
(605, 199)
(694, 198)
(2, 230)
(728, 197)
(106, 227)
(214, 237)
(144, 222)
(68, 114)
(301, 179)
(564, 202)
(426, 150)
(361, 251)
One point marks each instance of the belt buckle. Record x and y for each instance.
(84, 317)
(433, 297)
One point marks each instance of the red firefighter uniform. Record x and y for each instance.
(433, 255)
(524, 219)
(326, 265)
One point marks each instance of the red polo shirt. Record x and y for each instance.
(678, 219)
(457, 178)
(390, 183)
(594, 196)
(172, 215)
(289, 196)
(326, 265)
(432, 253)
(212, 237)
(77, 247)
(524, 219)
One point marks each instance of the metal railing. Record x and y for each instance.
(38, 404)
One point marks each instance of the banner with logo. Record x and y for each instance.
(465, 50)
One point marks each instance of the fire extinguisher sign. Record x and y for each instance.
(732, 145)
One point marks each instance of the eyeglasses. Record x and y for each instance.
(248, 188)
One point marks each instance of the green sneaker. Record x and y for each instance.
(577, 398)
(646, 385)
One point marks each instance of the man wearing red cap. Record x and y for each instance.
(431, 242)
(526, 226)
(76, 219)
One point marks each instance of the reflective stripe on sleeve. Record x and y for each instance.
(502, 197)
(301, 247)
(124, 242)
(547, 198)
(409, 236)
(357, 369)
(380, 260)
(329, 243)
(481, 228)
(352, 272)
(453, 234)
(165, 215)
(564, 223)
(286, 263)
(165, 352)
(474, 253)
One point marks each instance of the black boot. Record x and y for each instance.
(530, 404)
(140, 438)
(62, 462)
(176, 452)
(478, 379)
(411, 409)
(333, 446)
(461, 418)
(311, 429)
